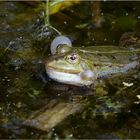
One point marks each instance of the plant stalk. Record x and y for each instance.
(47, 21)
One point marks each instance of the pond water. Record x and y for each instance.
(34, 106)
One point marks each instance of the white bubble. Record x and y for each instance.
(126, 14)
(71, 135)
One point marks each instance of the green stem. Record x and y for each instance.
(47, 22)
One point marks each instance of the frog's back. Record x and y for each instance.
(106, 60)
(109, 55)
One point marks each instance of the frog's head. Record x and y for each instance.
(69, 68)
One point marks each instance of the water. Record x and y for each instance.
(111, 110)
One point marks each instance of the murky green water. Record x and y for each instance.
(32, 106)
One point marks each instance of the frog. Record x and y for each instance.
(83, 66)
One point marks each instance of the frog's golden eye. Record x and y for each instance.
(73, 58)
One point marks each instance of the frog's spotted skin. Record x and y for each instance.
(82, 66)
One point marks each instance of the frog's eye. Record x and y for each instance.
(73, 58)
(60, 41)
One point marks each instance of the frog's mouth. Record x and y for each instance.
(64, 76)
(71, 71)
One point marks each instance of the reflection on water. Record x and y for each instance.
(63, 102)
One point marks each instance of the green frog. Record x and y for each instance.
(83, 66)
